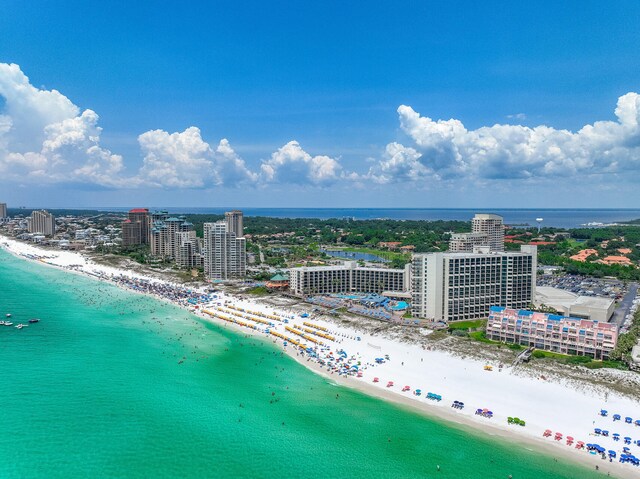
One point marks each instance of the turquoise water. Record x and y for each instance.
(113, 384)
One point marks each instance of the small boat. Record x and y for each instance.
(8, 315)
(20, 326)
(34, 320)
(8, 323)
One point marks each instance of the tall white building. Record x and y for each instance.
(455, 286)
(42, 222)
(224, 253)
(347, 278)
(234, 221)
(486, 230)
(189, 251)
(3, 211)
(492, 226)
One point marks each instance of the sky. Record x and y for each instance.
(320, 104)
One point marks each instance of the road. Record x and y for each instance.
(625, 305)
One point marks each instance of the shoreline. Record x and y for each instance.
(474, 425)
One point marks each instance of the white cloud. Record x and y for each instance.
(448, 150)
(44, 137)
(291, 164)
(185, 160)
(400, 163)
(180, 160)
(230, 168)
(517, 116)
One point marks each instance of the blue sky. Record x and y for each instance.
(326, 104)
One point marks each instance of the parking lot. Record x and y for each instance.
(585, 285)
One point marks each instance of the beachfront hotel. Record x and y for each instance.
(225, 254)
(3, 211)
(486, 230)
(41, 222)
(550, 332)
(456, 286)
(347, 278)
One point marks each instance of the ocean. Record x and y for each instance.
(111, 384)
(558, 218)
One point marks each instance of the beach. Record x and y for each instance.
(544, 403)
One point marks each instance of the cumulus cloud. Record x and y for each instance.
(230, 168)
(446, 149)
(181, 160)
(291, 164)
(400, 163)
(185, 160)
(45, 137)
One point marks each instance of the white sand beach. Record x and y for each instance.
(561, 405)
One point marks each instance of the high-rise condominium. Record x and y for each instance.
(42, 222)
(136, 229)
(486, 230)
(224, 252)
(234, 222)
(492, 226)
(165, 242)
(3, 210)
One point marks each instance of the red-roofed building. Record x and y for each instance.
(621, 260)
(136, 229)
(582, 256)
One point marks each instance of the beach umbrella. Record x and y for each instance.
(612, 453)
(598, 430)
(628, 420)
(616, 417)
(603, 412)
(605, 433)
(627, 440)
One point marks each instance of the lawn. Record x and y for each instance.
(473, 324)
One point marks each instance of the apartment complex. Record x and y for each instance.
(486, 230)
(3, 211)
(560, 334)
(42, 222)
(164, 235)
(455, 286)
(347, 278)
(234, 222)
(189, 249)
(224, 253)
